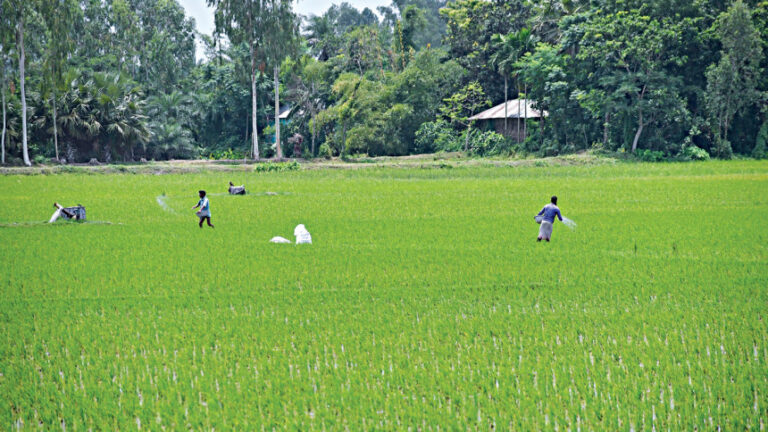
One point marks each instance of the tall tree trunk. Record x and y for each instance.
(277, 113)
(525, 118)
(466, 138)
(605, 128)
(254, 106)
(20, 42)
(343, 138)
(247, 127)
(639, 132)
(2, 135)
(312, 112)
(55, 129)
(517, 84)
(506, 98)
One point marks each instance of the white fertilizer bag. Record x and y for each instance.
(280, 240)
(302, 235)
(55, 216)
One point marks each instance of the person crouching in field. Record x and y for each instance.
(547, 218)
(205, 209)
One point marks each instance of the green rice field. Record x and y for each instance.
(424, 302)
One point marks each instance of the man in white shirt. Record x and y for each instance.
(205, 209)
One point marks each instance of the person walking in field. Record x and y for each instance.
(205, 209)
(546, 218)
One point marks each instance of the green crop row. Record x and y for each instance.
(424, 301)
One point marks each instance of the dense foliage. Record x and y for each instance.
(118, 80)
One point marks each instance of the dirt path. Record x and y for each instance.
(449, 160)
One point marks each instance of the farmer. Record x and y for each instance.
(205, 209)
(236, 190)
(547, 215)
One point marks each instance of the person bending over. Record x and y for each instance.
(548, 214)
(205, 209)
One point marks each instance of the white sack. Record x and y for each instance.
(278, 239)
(302, 235)
(55, 216)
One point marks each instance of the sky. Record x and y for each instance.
(203, 15)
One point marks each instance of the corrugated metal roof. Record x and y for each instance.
(285, 112)
(497, 112)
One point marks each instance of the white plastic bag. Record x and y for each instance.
(302, 235)
(280, 240)
(55, 216)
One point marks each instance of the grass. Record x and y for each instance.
(423, 302)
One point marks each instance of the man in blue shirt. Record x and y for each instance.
(205, 209)
(547, 214)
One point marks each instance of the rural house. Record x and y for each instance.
(516, 111)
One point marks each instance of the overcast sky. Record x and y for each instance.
(203, 15)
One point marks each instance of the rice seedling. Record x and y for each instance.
(423, 302)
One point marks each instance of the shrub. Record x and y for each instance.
(695, 153)
(277, 167)
(761, 145)
(227, 154)
(488, 143)
(649, 155)
(723, 149)
(325, 151)
(436, 136)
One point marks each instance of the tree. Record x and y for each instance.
(5, 44)
(470, 26)
(21, 8)
(732, 83)
(460, 107)
(508, 49)
(306, 91)
(280, 41)
(58, 16)
(503, 60)
(632, 50)
(245, 21)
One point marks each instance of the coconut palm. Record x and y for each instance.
(503, 59)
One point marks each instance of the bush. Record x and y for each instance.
(325, 151)
(277, 167)
(649, 155)
(761, 145)
(695, 153)
(227, 154)
(723, 149)
(436, 136)
(488, 144)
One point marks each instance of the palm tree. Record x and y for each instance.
(321, 36)
(172, 137)
(106, 109)
(171, 140)
(524, 42)
(503, 60)
(174, 104)
(546, 20)
(305, 92)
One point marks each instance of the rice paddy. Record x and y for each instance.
(424, 302)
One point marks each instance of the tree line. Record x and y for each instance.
(118, 80)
